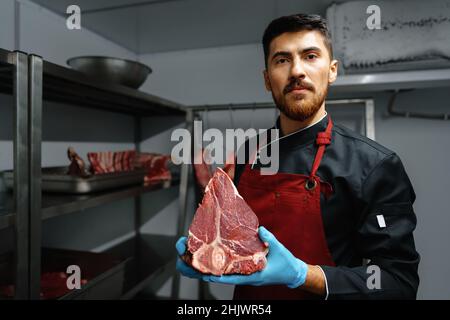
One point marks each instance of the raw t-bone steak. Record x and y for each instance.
(223, 237)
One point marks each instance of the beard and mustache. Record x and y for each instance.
(300, 110)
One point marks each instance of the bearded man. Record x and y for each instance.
(338, 199)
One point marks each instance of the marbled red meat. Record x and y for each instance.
(203, 170)
(156, 165)
(223, 237)
(77, 166)
(109, 161)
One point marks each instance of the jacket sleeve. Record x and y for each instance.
(384, 237)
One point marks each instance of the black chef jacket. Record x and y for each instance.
(367, 180)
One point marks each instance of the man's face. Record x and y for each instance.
(299, 70)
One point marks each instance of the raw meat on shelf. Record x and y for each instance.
(157, 166)
(77, 166)
(111, 161)
(53, 286)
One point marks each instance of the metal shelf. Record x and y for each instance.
(6, 78)
(54, 205)
(59, 204)
(417, 79)
(31, 80)
(7, 67)
(4, 54)
(65, 85)
(148, 264)
(104, 272)
(152, 261)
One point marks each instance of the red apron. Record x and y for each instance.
(288, 205)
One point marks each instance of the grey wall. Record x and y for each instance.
(7, 23)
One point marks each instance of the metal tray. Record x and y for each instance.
(56, 179)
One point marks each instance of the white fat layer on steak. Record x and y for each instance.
(256, 259)
(219, 257)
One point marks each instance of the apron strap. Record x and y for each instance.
(323, 139)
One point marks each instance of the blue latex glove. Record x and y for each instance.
(182, 267)
(281, 268)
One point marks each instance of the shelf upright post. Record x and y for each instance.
(137, 198)
(21, 173)
(184, 184)
(35, 70)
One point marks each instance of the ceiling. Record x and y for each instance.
(95, 5)
(148, 26)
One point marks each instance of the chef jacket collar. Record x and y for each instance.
(302, 136)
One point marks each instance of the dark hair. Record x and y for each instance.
(294, 23)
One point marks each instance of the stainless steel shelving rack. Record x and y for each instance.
(14, 80)
(31, 80)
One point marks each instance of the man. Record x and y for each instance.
(338, 198)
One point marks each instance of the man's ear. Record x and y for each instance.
(333, 71)
(267, 81)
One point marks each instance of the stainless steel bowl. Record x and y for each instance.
(112, 70)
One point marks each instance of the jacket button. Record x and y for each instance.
(277, 194)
